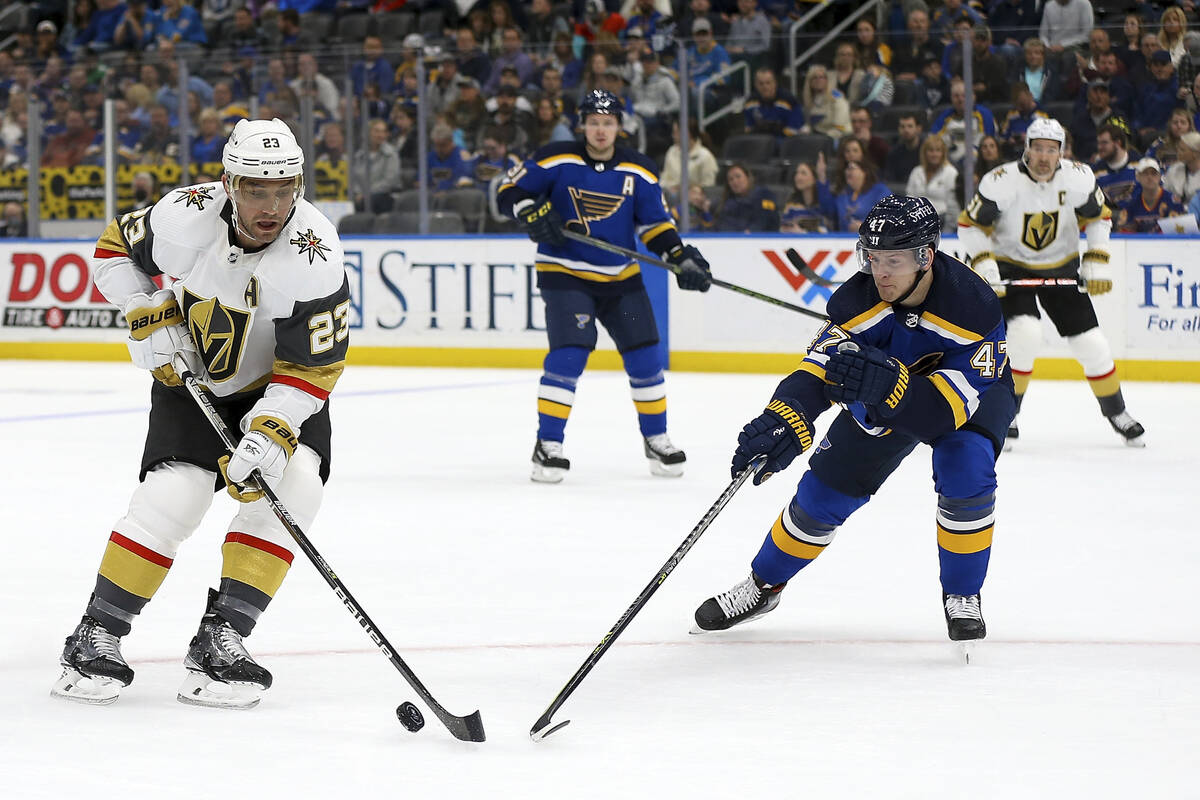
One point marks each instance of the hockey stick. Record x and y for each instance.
(468, 728)
(1040, 283)
(658, 262)
(541, 729)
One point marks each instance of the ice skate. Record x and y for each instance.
(749, 599)
(665, 459)
(549, 465)
(1129, 429)
(93, 668)
(221, 673)
(1010, 440)
(964, 621)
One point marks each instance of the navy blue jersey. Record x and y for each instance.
(954, 340)
(615, 200)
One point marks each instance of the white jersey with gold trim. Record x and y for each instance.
(1031, 223)
(278, 314)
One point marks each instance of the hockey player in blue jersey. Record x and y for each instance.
(608, 192)
(914, 352)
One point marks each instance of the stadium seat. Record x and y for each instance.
(409, 200)
(395, 25)
(398, 222)
(446, 222)
(362, 222)
(804, 147)
(353, 28)
(430, 24)
(749, 148)
(470, 204)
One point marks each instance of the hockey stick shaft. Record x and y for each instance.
(542, 728)
(1039, 283)
(658, 262)
(808, 272)
(468, 728)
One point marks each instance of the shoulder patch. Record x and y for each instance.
(310, 244)
(194, 196)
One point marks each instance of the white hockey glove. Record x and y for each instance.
(986, 267)
(266, 447)
(1094, 271)
(157, 333)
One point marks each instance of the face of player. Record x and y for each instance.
(600, 132)
(893, 270)
(1043, 156)
(262, 207)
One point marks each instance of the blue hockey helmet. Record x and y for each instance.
(899, 222)
(598, 101)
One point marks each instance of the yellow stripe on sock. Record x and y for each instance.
(131, 572)
(553, 409)
(792, 546)
(964, 543)
(253, 567)
(651, 406)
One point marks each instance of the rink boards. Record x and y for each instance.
(473, 301)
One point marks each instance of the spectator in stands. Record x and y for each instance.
(375, 170)
(309, 82)
(331, 146)
(643, 15)
(702, 9)
(1066, 25)
(1157, 97)
(566, 62)
(15, 120)
(1089, 119)
(952, 122)
(597, 63)
(14, 224)
(946, 17)
(68, 148)
(493, 158)
(549, 125)
(541, 28)
(933, 89)
(916, 48)
(656, 98)
(990, 156)
(846, 75)
(472, 61)
(1140, 72)
(1173, 27)
(1183, 178)
(1012, 23)
(97, 37)
(849, 149)
(862, 123)
(868, 48)
(513, 123)
(223, 102)
(129, 133)
(935, 178)
(512, 55)
(877, 88)
(769, 110)
(1113, 165)
(243, 32)
(1130, 50)
(177, 23)
(275, 79)
(825, 109)
(811, 207)
(1041, 77)
(168, 93)
(402, 132)
(442, 88)
(374, 69)
(859, 191)
(293, 35)
(1164, 149)
(989, 69)
(209, 143)
(133, 31)
(1147, 202)
(469, 111)
(702, 164)
(1024, 111)
(552, 89)
(746, 208)
(1189, 67)
(700, 211)
(749, 37)
(705, 57)
(449, 167)
(1087, 62)
(906, 154)
(1120, 91)
(46, 44)
(160, 142)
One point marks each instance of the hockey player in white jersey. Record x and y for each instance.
(259, 309)
(1024, 222)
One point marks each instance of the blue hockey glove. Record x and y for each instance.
(540, 222)
(781, 432)
(694, 274)
(866, 375)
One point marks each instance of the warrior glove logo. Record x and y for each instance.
(219, 333)
(1039, 230)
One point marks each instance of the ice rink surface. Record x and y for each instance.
(494, 590)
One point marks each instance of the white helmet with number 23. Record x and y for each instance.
(260, 148)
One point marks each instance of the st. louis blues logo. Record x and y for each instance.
(194, 196)
(581, 320)
(310, 243)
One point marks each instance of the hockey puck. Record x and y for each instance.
(410, 716)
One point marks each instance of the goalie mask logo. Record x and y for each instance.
(593, 206)
(1039, 230)
(219, 332)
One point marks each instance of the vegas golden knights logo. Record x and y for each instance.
(1040, 229)
(219, 333)
(593, 206)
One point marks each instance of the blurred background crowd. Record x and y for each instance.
(800, 113)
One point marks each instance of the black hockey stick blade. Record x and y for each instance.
(808, 272)
(543, 728)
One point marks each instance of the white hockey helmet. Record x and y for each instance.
(1046, 128)
(260, 148)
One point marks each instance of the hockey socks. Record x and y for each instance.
(556, 391)
(252, 570)
(804, 529)
(130, 573)
(964, 532)
(649, 389)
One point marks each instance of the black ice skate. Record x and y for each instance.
(964, 617)
(221, 673)
(749, 599)
(93, 668)
(1010, 440)
(1129, 428)
(549, 465)
(665, 459)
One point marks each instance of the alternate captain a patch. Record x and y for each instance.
(194, 196)
(310, 244)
